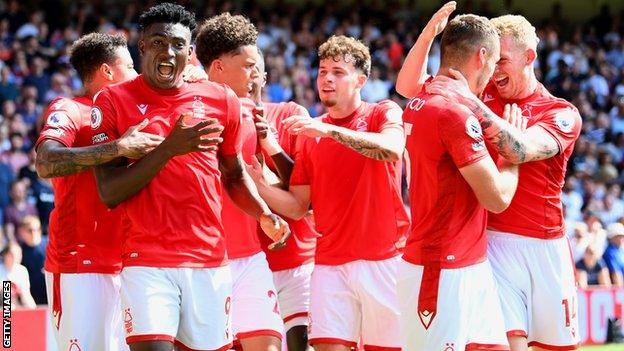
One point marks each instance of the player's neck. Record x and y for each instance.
(470, 78)
(530, 87)
(93, 87)
(342, 110)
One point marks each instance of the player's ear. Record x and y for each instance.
(362, 79)
(106, 71)
(482, 57)
(141, 46)
(190, 53)
(530, 55)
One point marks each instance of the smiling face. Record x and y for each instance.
(237, 70)
(511, 76)
(165, 50)
(122, 67)
(338, 81)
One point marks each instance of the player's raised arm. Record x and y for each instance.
(413, 73)
(116, 182)
(54, 159)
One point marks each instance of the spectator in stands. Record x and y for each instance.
(12, 269)
(614, 253)
(591, 270)
(33, 250)
(18, 209)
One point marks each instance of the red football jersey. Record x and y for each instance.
(536, 209)
(357, 203)
(84, 235)
(175, 220)
(302, 243)
(240, 228)
(448, 222)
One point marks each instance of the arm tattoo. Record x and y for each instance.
(363, 147)
(507, 144)
(64, 161)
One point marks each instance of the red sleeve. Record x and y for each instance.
(301, 170)
(104, 118)
(563, 124)
(461, 134)
(388, 114)
(232, 140)
(292, 137)
(62, 122)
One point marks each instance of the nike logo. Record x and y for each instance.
(426, 318)
(142, 108)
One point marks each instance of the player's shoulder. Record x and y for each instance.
(210, 88)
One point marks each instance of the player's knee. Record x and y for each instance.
(297, 338)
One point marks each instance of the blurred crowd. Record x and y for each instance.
(583, 63)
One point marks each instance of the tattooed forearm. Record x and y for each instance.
(364, 147)
(61, 161)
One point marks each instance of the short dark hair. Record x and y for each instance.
(463, 35)
(223, 34)
(340, 47)
(92, 50)
(167, 13)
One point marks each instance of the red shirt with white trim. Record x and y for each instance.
(357, 203)
(175, 220)
(84, 235)
(536, 210)
(448, 222)
(301, 245)
(240, 228)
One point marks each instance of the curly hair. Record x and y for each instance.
(463, 35)
(167, 13)
(223, 34)
(88, 53)
(347, 48)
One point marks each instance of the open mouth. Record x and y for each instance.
(328, 90)
(165, 69)
(501, 82)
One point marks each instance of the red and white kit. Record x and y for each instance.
(255, 309)
(527, 246)
(291, 266)
(174, 245)
(83, 257)
(362, 222)
(445, 283)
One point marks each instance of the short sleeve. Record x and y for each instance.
(563, 124)
(62, 122)
(462, 136)
(292, 137)
(388, 115)
(232, 139)
(104, 118)
(301, 170)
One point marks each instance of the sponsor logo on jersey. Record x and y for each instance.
(99, 138)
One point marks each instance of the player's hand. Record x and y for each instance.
(192, 74)
(135, 144)
(438, 21)
(454, 88)
(303, 125)
(263, 129)
(185, 138)
(256, 171)
(513, 115)
(275, 228)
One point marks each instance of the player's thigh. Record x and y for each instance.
(553, 308)
(377, 289)
(331, 347)
(335, 314)
(150, 299)
(293, 292)
(261, 343)
(255, 307)
(152, 346)
(205, 308)
(74, 296)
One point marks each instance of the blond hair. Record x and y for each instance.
(349, 49)
(518, 28)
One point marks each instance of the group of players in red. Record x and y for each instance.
(143, 242)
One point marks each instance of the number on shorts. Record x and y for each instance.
(273, 296)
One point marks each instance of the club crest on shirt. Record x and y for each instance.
(96, 117)
(57, 119)
(565, 121)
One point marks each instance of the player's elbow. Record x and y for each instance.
(498, 204)
(42, 171)
(107, 195)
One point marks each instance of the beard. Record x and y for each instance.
(329, 102)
